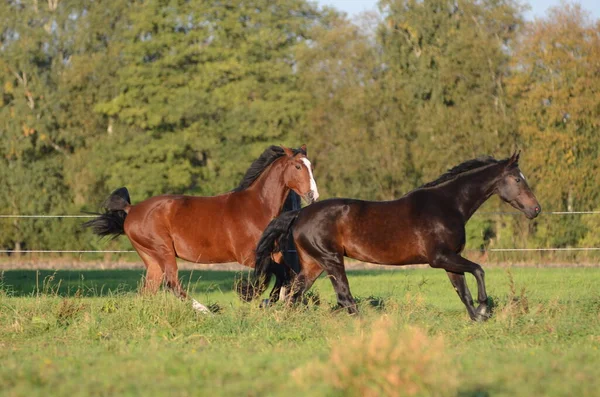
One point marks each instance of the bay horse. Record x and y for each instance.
(427, 225)
(218, 229)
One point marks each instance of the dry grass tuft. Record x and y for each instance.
(386, 363)
(69, 310)
(517, 303)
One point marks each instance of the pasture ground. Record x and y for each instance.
(89, 333)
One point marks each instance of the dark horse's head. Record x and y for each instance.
(513, 188)
(298, 174)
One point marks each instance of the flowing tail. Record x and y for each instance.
(111, 222)
(273, 239)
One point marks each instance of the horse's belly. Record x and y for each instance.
(203, 251)
(203, 242)
(385, 252)
(387, 258)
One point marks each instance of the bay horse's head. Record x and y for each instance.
(513, 189)
(298, 174)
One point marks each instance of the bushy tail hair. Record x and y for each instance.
(111, 222)
(273, 239)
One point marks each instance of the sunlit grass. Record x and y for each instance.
(81, 333)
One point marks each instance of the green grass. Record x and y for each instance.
(90, 333)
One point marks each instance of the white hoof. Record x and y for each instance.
(283, 294)
(200, 307)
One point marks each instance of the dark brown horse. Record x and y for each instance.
(217, 229)
(425, 226)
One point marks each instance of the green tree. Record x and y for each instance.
(353, 120)
(32, 148)
(204, 82)
(449, 61)
(556, 91)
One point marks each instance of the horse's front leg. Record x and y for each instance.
(460, 286)
(456, 266)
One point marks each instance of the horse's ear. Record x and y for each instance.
(303, 148)
(287, 151)
(514, 159)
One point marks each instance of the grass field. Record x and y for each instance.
(89, 333)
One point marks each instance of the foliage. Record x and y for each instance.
(555, 87)
(180, 97)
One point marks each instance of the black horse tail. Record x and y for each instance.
(273, 239)
(111, 222)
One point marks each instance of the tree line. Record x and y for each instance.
(180, 96)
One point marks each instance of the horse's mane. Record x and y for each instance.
(463, 167)
(271, 154)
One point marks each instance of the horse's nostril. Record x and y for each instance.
(537, 209)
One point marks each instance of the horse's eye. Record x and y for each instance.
(518, 180)
(298, 167)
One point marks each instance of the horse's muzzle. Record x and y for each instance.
(311, 197)
(532, 213)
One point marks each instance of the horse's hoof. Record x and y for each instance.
(480, 317)
(483, 310)
(199, 307)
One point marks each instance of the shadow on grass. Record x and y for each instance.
(376, 302)
(103, 282)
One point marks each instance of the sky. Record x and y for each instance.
(538, 7)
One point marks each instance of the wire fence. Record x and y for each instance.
(555, 249)
(65, 251)
(47, 216)
(544, 212)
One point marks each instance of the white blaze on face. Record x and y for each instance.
(313, 184)
(522, 176)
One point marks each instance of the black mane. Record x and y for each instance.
(271, 154)
(462, 168)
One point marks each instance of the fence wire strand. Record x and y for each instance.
(64, 251)
(47, 216)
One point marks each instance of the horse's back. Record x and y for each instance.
(174, 208)
(150, 214)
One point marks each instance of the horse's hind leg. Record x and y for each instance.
(309, 273)
(154, 277)
(172, 277)
(337, 275)
(172, 281)
(159, 261)
(154, 272)
(331, 259)
(282, 277)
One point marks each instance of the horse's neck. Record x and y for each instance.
(474, 188)
(270, 189)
